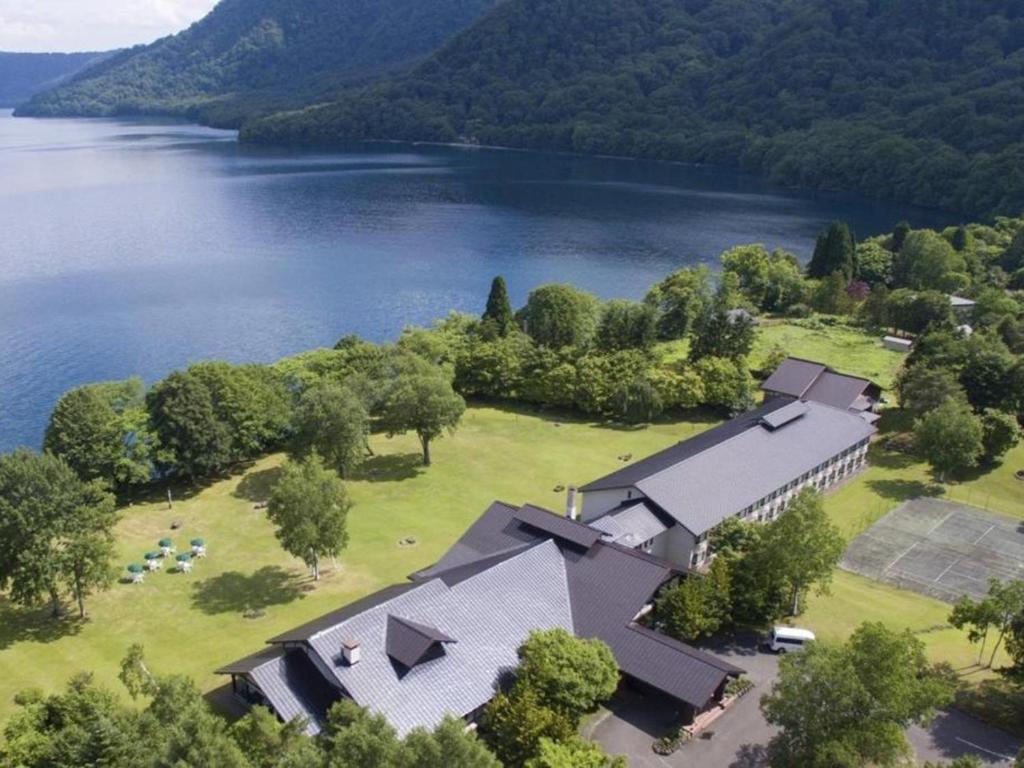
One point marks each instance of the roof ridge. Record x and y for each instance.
(694, 653)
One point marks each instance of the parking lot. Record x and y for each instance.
(939, 549)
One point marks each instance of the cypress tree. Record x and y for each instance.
(835, 251)
(499, 309)
(899, 236)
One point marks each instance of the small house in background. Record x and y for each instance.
(963, 309)
(896, 344)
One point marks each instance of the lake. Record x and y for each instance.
(135, 248)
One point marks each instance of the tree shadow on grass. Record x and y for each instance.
(18, 625)
(390, 467)
(902, 490)
(234, 592)
(256, 486)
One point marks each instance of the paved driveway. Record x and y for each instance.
(739, 737)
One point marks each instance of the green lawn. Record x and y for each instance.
(845, 348)
(193, 623)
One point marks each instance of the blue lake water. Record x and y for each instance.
(134, 248)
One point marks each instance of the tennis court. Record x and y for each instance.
(939, 549)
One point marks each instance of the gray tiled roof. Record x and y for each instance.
(725, 479)
(409, 642)
(631, 526)
(295, 688)
(793, 377)
(630, 475)
(490, 614)
(837, 389)
(494, 533)
(609, 585)
(809, 380)
(784, 416)
(560, 527)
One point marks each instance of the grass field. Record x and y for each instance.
(193, 623)
(846, 348)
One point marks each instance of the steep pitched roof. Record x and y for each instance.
(481, 610)
(793, 377)
(809, 380)
(490, 614)
(560, 527)
(410, 642)
(294, 686)
(494, 533)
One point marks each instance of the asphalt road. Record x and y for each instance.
(738, 739)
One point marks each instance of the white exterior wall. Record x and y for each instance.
(597, 503)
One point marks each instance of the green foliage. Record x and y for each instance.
(88, 725)
(1000, 433)
(1001, 611)
(561, 315)
(499, 309)
(802, 547)
(680, 299)
(950, 438)
(571, 675)
(834, 251)
(102, 432)
(422, 401)
(847, 706)
(874, 263)
(770, 281)
(831, 296)
(55, 531)
(916, 311)
(515, 724)
(309, 507)
(626, 325)
(331, 421)
(215, 414)
(699, 606)
(932, 122)
(716, 333)
(575, 753)
(266, 742)
(922, 389)
(928, 262)
(250, 58)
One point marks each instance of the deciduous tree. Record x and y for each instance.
(425, 403)
(802, 546)
(309, 507)
(847, 706)
(950, 438)
(331, 420)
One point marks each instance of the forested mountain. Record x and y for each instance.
(918, 100)
(24, 74)
(250, 56)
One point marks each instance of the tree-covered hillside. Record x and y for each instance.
(918, 100)
(250, 56)
(24, 74)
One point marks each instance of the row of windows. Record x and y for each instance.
(821, 468)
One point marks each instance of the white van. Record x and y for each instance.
(787, 639)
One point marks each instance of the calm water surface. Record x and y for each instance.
(130, 248)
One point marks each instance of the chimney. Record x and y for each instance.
(570, 502)
(351, 651)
